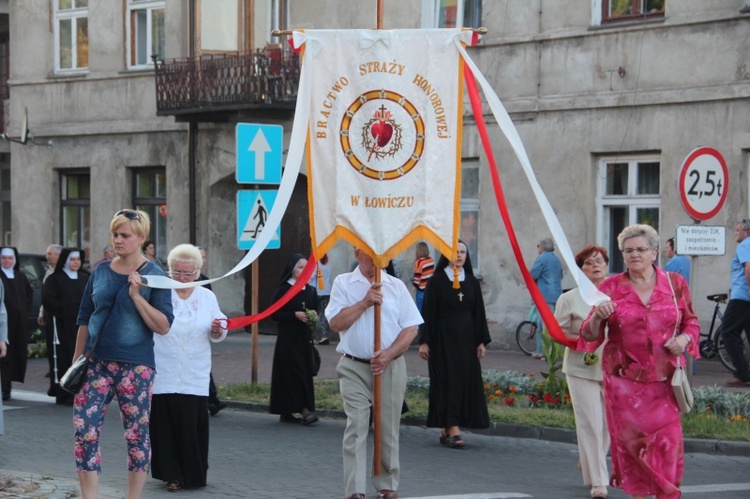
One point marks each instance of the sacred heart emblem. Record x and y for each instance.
(381, 131)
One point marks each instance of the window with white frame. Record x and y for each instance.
(628, 192)
(71, 31)
(145, 32)
(451, 13)
(469, 232)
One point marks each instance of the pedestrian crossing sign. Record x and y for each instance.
(253, 208)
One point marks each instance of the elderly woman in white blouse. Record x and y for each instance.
(179, 408)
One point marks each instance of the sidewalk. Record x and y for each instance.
(232, 362)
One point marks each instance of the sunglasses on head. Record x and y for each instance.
(130, 214)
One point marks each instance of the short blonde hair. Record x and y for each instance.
(139, 221)
(186, 253)
(638, 230)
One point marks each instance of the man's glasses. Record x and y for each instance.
(594, 261)
(131, 214)
(640, 251)
(177, 273)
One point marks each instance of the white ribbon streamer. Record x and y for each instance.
(590, 294)
(369, 38)
(288, 179)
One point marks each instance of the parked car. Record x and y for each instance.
(33, 266)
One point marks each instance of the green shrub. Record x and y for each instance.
(37, 346)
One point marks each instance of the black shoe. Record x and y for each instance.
(309, 418)
(324, 341)
(6, 395)
(289, 418)
(48, 375)
(213, 409)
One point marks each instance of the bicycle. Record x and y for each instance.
(526, 337)
(713, 344)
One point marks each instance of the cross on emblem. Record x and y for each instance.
(460, 296)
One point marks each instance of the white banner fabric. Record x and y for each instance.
(384, 145)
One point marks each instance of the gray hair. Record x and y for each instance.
(745, 224)
(546, 244)
(638, 230)
(57, 248)
(186, 253)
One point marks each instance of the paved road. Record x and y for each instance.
(252, 455)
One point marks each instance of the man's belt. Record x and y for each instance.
(363, 361)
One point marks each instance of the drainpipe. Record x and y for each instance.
(192, 136)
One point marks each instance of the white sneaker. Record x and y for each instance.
(599, 491)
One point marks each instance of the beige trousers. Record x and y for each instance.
(355, 384)
(591, 429)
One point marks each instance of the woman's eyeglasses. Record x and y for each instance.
(130, 214)
(640, 251)
(594, 261)
(177, 273)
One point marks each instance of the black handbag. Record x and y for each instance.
(75, 376)
(73, 379)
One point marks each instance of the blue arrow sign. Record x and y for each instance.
(253, 208)
(258, 153)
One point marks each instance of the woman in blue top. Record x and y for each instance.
(126, 315)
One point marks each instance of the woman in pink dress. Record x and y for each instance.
(650, 322)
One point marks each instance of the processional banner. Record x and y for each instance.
(384, 138)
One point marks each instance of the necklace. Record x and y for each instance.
(643, 281)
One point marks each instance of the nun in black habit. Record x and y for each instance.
(453, 341)
(292, 389)
(61, 296)
(18, 299)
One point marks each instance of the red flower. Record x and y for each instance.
(533, 398)
(548, 398)
(509, 400)
(556, 400)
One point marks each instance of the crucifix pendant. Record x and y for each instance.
(460, 296)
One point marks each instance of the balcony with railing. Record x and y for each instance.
(214, 87)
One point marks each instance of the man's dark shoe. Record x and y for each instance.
(324, 341)
(214, 409)
(387, 494)
(356, 496)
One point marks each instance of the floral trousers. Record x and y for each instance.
(132, 385)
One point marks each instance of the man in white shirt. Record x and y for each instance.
(352, 315)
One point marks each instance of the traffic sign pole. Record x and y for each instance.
(258, 154)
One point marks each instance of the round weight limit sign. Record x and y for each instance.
(704, 183)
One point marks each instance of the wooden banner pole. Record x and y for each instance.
(376, 404)
(376, 400)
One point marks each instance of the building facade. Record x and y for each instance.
(134, 104)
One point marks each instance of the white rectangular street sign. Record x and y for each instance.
(258, 153)
(700, 240)
(253, 208)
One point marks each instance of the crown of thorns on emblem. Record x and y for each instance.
(381, 135)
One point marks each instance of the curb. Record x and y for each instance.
(546, 433)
